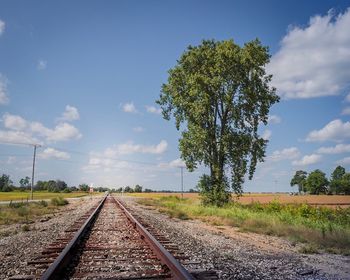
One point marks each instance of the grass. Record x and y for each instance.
(319, 228)
(25, 213)
(15, 195)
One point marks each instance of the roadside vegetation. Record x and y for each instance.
(319, 228)
(26, 213)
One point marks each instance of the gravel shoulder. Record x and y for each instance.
(19, 247)
(241, 255)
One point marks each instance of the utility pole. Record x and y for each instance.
(34, 155)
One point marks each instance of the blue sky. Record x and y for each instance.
(81, 78)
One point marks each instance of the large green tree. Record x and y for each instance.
(336, 182)
(345, 184)
(219, 95)
(299, 179)
(316, 182)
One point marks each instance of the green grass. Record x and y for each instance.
(25, 213)
(15, 195)
(319, 228)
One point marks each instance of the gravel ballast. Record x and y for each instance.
(19, 247)
(227, 251)
(236, 255)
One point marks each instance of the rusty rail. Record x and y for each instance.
(177, 270)
(53, 271)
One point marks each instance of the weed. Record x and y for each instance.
(25, 228)
(319, 226)
(308, 249)
(59, 201)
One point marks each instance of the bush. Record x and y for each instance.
(59, 201)
(42, 203)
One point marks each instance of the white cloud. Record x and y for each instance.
(2, 27)
(346, 111)
(338, 149)
(315, 60)
(308, 160)
(175, 163)
(153, 110)
(63, 132)
(70, 114)
(334, 131)
(131, 148)
(287, 153)
(344, 161)
(3, 91)
(129, 108)
(347, 98)
(138, 129)
(266, 134)
(53, 153)
(42, 64)
(17, 137)
(14, 122)
(274, 119)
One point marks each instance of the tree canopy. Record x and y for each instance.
(299, 179)
(219, 95)
(316, 182)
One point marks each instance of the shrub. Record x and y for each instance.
(59, 201)
(42, 203)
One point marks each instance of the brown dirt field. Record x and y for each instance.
(327, 200)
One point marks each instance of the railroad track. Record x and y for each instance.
(108, 242)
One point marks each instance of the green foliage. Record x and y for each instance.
(5, 183)
(138, 189)
(84, 187)
(299, 179)
(128, 189)
(320, 227)
(336, 182)
(316, 182)
(220, 93)
(211, 193)
(59, 201)
(51, 185)
(42, 203)
(24, 182)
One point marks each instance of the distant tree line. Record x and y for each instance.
(7, 185)
(317, 183)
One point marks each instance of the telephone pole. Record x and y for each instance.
(34, 155)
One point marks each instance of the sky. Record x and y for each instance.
(81, 78)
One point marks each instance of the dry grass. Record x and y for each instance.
(326, 200)
(320, 227)
(18, 196)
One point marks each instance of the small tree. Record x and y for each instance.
(5, 183)
(128, 189)
(219, 94)
(25, 182)
(138, 189)
(84, 187)
(299, 179)
(336, 183)
(316, 182)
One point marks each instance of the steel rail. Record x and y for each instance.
(54, 270)
(177, 270)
